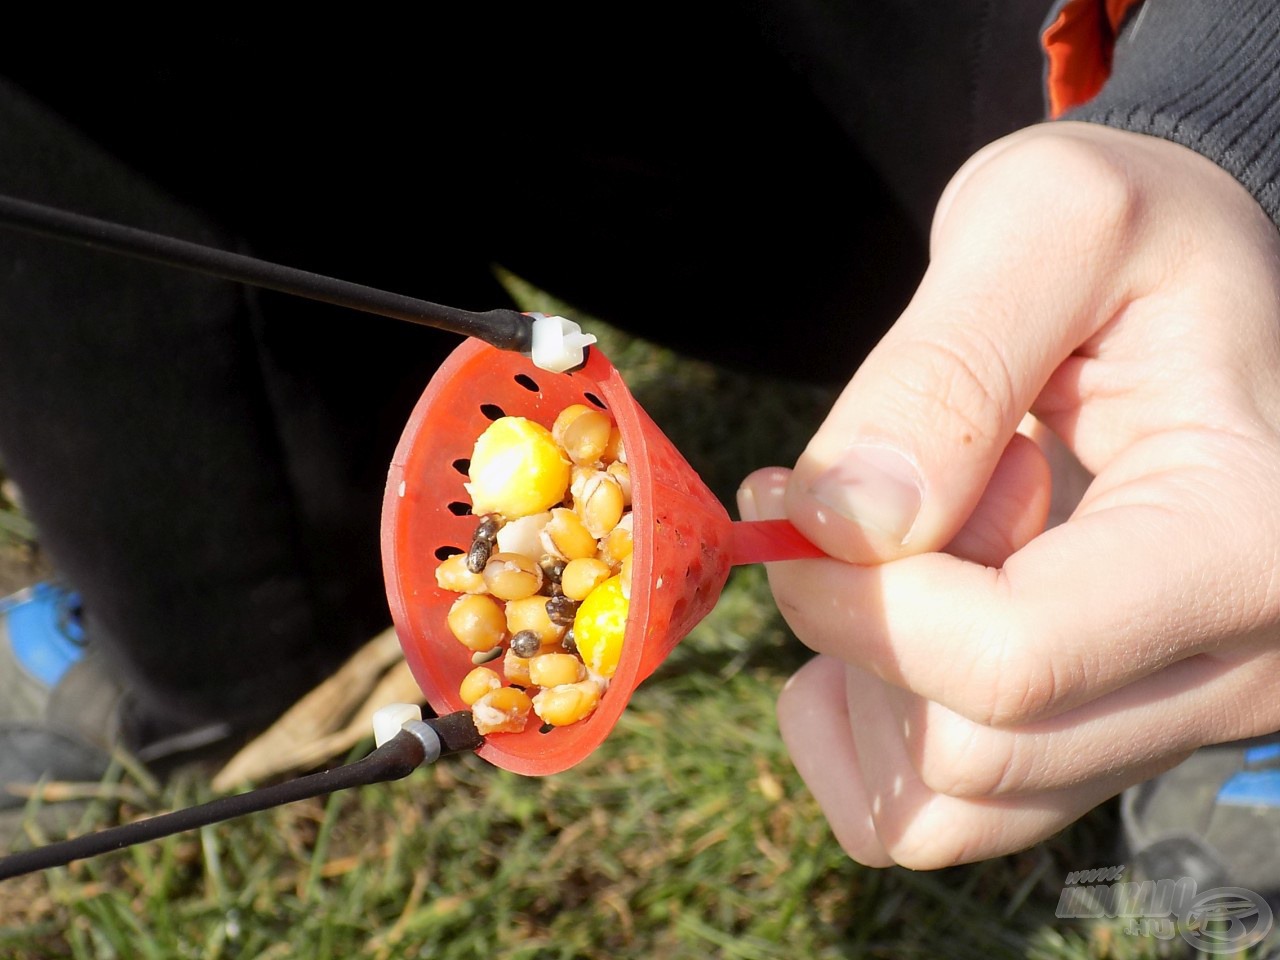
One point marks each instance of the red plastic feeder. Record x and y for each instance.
(684, 540)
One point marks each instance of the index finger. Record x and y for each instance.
(1142, 577)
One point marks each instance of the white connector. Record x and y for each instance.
(388, 721)
(558, 344)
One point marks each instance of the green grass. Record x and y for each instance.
(687, 834)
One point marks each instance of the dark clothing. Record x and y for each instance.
(1205, 74)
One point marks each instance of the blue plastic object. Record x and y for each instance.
(44, 630)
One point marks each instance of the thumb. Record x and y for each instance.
(1015, 285)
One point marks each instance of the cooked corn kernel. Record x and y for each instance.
(553, 669)
(529, 614)
(601, 504)
(505, 710)
(580, 577)
(477, 683)
(617, 546)
(516, 469)
(587, 437)
(565, 418)
(578, 478)
(511, 576)
(565, 535)
(622, 473)
(477, 621)
(516, 668)
(600, 625)
(453, 575)
(613, 452)
(567, 703)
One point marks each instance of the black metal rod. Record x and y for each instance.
(394, 760)
(504, 329)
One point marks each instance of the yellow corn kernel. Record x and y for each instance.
(453, 575)
(613, 453)
(587, 437)
(516, 469)
(477, 683)
(554, 669)
(578, 477)
(617, 546)
(600, 625)
(505, 710)
(565, 418)
(567, 703)
(600, 505)
(477, 621)
(512, 576)
(582, 576)
(622, 473)
(516, 669)
(530, 613)
(566, 536)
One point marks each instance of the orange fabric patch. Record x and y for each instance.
(1078, 46)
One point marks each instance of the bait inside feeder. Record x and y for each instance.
(684, 540)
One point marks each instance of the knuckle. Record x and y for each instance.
(1093, 182)
(1025, 692)
(1017, 683)
(921, 848)
(920, 833)
(958, 376)
(967, 760)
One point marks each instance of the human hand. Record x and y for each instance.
(983, 681)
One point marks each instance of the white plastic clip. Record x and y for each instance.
(389, 720)
(558, 344)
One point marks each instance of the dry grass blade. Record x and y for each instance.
(323, 711)
(396, 686)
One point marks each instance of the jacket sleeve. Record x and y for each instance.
(1204, 74)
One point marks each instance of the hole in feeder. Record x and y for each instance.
(445, 552)
(462, 465)
(596, 400)
(527, 382)
(459, 508)
(492, 411)
(546, 728)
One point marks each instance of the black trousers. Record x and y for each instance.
(205, 463)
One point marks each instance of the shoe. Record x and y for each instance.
(1214, 818)
(60, 713)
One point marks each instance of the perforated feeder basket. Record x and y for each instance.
(684, 540)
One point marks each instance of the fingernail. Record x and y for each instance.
(747, 508)
(875, 487)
